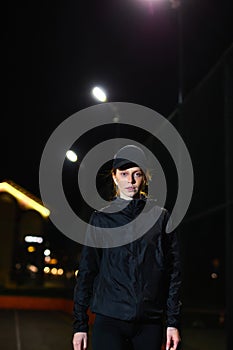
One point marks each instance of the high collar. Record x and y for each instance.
(125, 202)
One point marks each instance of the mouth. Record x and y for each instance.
(131, 189)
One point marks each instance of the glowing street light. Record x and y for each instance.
(174, 3)
(72, 156)
(99, 94)
(47, 252)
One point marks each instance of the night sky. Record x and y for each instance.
(58, 50)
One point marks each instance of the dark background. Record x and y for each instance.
(58, 50)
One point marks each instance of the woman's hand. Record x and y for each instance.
(80, 341)
(173, 338)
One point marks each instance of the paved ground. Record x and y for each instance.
(35, 330)
(51, 330)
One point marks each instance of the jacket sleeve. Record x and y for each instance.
(88, 269)
(173, 267)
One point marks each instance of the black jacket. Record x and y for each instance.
(137, 281)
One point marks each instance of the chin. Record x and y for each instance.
(132, 195)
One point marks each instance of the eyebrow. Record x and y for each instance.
(136, 171)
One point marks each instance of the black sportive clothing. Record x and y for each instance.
(109, 333)
(139, 281)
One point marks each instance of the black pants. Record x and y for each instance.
(113, 334)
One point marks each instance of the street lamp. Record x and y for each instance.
(72, 156)
(99, 94)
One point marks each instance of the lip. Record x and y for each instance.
(130, 188)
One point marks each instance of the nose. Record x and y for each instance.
(131, 179)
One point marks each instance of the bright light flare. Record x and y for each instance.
(31, 249)
(54, 271)
(33, 239)
(22, 197)
(53, 261)
(47, 252)
(72, 156)
(47, 259)
(46, 269)
(32, 268)
(175, 4)
(99, 94)
(60, 272)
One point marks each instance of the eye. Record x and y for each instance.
(124, 173)
(138, 174)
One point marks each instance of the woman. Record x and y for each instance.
(132, 288)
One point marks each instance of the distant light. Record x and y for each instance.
(46, 269)
(99, 94)
(216, 262)
(72, 156)
(47, 259)
(76, 273)
(54, 271)
(69, 274)
(31, 249)
(32, 268)
(23, 198)
(33, 239)
(53, 261)
(47, 252)
(214, 275)
(60, 272)
(174, 3)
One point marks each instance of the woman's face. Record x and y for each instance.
(128, 181)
